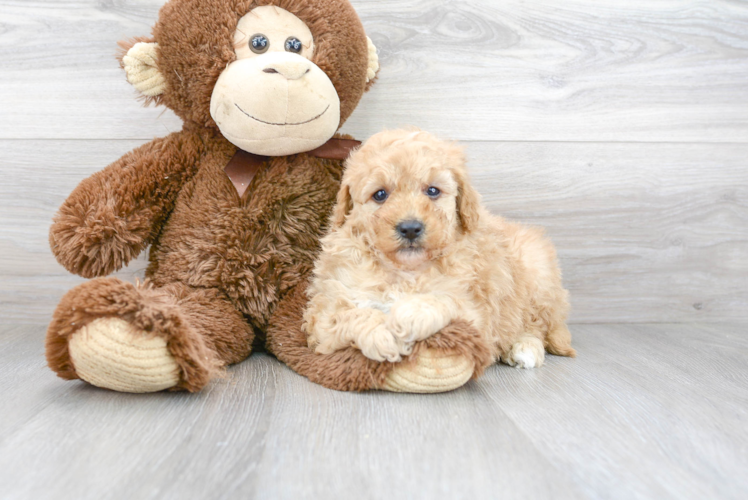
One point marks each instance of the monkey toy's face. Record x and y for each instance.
(275, 77)
(273, 100)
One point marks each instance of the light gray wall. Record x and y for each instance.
(622, 127)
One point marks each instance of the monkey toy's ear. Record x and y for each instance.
(373, 69)
(139, 60)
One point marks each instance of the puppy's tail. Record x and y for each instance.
(558, 342)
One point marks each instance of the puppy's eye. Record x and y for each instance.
(259, 43)
(433, 192)
(293, 44)
(380, 196)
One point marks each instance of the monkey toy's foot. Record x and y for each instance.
(111, 353)
(431, 371)
(115, 335)
(441, 363)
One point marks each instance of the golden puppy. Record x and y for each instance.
(411, 249)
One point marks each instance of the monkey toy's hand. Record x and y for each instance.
(114, 214)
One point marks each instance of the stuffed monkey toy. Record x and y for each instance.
(232, 207)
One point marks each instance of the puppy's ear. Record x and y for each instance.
(343, 206)
(468, 203)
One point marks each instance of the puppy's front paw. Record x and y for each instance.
(381, 344)
(416, 318)
(321, 346)
(312, 341)
(325, 344)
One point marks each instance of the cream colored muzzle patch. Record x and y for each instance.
(432, 372)
(110, 353)
(275, 104)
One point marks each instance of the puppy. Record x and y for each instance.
(411, 249)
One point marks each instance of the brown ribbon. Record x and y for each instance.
(335, 149)
(243, 166)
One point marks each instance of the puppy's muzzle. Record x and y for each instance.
(410, 230)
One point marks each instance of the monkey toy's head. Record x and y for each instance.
(276, 77)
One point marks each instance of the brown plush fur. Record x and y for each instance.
(220, 265)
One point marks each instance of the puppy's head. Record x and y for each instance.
(407, 194)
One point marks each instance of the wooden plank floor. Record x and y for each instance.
(645, 411)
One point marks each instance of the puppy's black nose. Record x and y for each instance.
(410, 229)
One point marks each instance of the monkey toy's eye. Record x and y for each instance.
(432, 192)
(259, 43)
(380, 196)
(293, 44)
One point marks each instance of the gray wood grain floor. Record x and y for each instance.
(645, 411)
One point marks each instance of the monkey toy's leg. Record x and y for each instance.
(115, 335)
(440, 363)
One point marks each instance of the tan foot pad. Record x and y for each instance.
(110, 353)
(432, 372)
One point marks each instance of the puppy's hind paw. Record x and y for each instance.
(528, 352)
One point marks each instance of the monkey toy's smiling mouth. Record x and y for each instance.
(282, 124)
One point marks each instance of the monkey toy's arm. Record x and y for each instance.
(114, 214)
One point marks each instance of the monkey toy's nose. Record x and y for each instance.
(410, 229)
(291, 70)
